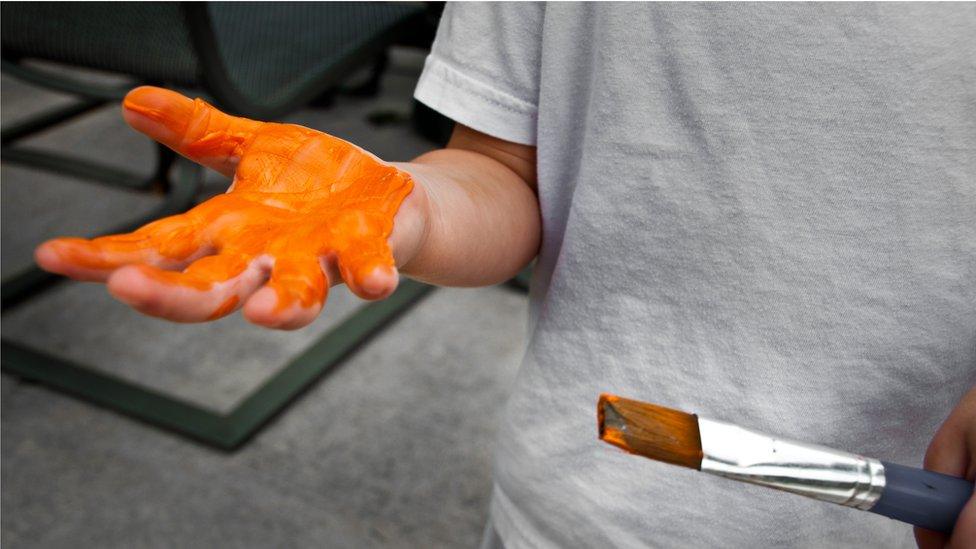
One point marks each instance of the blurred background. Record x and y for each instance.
(372, 427)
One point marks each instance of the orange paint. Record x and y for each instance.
(610, 433)
(649, 430)
(225, 308)
(299, 195)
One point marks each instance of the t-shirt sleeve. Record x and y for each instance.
(483, 69)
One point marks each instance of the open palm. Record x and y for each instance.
(303, 206)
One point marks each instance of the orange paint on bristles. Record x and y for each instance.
(648, 430)
(609, 434)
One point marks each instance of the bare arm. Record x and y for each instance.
(482, 215)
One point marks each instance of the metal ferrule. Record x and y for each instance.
(813, 471)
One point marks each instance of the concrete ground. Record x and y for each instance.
(392, 449)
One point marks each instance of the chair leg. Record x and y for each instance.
(76, 167)
(165, 157)
(224, 431)
(41, 122)
(61, 163)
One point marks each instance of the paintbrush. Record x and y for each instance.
(923, 498)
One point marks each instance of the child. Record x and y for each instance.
(764, 213)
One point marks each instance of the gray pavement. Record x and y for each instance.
(390, 450)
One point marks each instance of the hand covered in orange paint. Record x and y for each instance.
(304, 209)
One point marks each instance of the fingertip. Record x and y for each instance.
(151, 100)
(160, 113)
(46, 256)
(131, 286)
(138, 94)
(259, 306)
(67, 257)
(378, 284)
(263, 309)
(929, 539)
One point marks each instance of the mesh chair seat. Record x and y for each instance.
(253, 57)
(320, 38)
(149, 40)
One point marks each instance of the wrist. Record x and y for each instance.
(411, 225)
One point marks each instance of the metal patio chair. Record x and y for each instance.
(256, 59)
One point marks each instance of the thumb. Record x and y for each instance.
(190, 127)
(953, 452)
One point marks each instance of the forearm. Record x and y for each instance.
(480, 222)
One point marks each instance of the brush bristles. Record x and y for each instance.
(655, 432)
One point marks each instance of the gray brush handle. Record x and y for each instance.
(923, 498)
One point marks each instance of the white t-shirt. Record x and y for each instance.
(760, 213)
